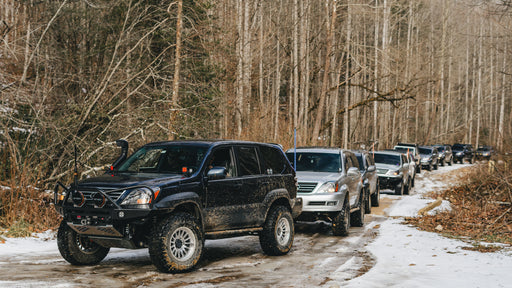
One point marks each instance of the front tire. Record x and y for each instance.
(357, 218)
(78, 249)
(176, 244)
(399, 189)
(278, 232)
(341, 221)
(376, 196)
(368, 202)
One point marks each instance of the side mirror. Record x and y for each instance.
(372, 168)
(353, 171)
(217, 173)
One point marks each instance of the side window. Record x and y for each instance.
(348, 162)
(370, 159)
(355, 163)
(223, 157)
(274, 161)
(367, 162)
(248, 161)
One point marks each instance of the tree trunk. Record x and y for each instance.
(173, 118)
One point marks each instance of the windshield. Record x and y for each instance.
(387, 159)
(405, 150)
(317, 162)
(484, 149)
(440, 148)
(457, 147)
(425, 151)
(170, 159)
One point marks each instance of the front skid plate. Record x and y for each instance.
(96, 230)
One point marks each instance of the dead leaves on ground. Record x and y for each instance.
(481, 209)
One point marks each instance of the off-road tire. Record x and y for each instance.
(276, 238)
(77, 249)
(413, 181)
(341, 222)
(368, 202)
(450, 162)
(407, 188)
(357, 217)
(376, 196)
(436, 166)
(399, 189)
(176, 243)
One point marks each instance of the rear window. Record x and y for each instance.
(248, 161)
(274, 161)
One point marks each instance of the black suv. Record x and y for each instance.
(484, 152)
(171, 196)
(463, 152)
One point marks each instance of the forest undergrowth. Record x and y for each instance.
(481, 208)
(25, 208)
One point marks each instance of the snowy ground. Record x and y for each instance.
(384, 253)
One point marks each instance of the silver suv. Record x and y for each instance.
(393, 171)
(330, 185)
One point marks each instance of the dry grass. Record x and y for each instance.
(25, 209)
(481, 207)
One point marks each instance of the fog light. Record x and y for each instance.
(121, 214)
(78, 198)
(99, 200)
(332, 203)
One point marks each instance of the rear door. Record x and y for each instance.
(223, 195)
(255, 186)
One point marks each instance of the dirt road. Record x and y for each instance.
(317, 258)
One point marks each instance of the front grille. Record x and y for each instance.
(89, 193)
(114, 195)
(306, 187)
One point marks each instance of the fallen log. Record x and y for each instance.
(423, 211)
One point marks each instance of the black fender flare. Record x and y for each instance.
(171, 202)
(279, 194)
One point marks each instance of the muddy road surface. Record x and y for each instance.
(317, 259)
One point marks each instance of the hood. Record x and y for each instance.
(122, 180)
(309, 176)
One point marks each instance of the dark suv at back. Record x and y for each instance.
(171, 196)
(463, 152)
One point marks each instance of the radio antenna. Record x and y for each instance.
(75, 174)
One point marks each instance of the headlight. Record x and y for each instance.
(139, 196)
(459, 154)
(328, 187)
(393, 172)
